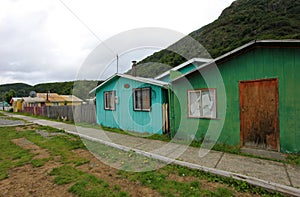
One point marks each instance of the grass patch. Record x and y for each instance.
(61, 146)
(11, 155)
(39, 162)
(50, 129)
(84, 184)
(125, 160)
(158, 180)
(293, 159)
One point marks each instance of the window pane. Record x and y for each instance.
(202, 103)
(208, 104)
(138, 99)
(146, 98)
(195, 102)
(109, 100)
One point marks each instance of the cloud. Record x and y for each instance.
(43, 41)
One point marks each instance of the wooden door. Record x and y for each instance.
(259, 114)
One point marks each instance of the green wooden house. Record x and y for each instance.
(248, 97)
(132, 104)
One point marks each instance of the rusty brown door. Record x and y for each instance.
(259, 114)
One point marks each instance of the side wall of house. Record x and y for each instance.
(125, 117)
(259, 63)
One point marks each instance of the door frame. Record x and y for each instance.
(277, 105)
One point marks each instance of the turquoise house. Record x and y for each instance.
(133, 104)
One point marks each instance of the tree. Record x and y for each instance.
(8, 95)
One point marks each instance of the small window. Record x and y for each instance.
(142, 99)
(109, 100)
(202, 103)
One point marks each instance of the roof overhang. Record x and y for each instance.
(140, 79)
(240, 50)
(205, 60)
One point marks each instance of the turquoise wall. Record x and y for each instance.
(259, 63)
(124, 117)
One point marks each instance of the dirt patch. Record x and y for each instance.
(30, 181)
(110, 175)
(28, 145)
(24, 128)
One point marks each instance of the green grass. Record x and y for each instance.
(39, 162)
(159, 181)
(293, 159)
(130, 161)
(11, 155)
(84, 184)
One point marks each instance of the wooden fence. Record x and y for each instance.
(80, 113)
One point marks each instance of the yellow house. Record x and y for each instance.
(16, 103)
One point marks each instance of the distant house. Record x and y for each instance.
(132, 103)
(4, 106)
(54, 99)
(261, 89)
(44, 99)
(16, 103)
(32, 102)
(71, 100)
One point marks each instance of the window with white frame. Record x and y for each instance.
(202, 103)
(142, 99)
(109, 100)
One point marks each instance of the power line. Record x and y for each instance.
(88, 28)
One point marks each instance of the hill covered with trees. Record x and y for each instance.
(240, 23)
(78, 88)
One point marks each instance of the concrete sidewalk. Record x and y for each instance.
(272, 175)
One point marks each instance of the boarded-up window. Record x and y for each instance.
(109, 100)
(202, 103)
(142, 99)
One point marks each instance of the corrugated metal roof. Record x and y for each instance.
(240, 50)
(52, 97)
(33, 99)
(71, 98)
(140, 79)
(205, 60)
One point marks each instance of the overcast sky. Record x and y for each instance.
(50, 40)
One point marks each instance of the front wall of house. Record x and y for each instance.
(124, 117)
(261, 63)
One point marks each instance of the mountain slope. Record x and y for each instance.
(79, 88)
(241, 22)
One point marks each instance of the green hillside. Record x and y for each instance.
(78, 88)
(241, 22)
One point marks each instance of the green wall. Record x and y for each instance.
(257, 63)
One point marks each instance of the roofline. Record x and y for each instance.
(183, 65)
(140, 79)
(241, 48)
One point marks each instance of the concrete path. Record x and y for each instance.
(272, 175)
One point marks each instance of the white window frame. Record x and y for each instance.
(141, 108)
(112, 102)
(202, 103)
